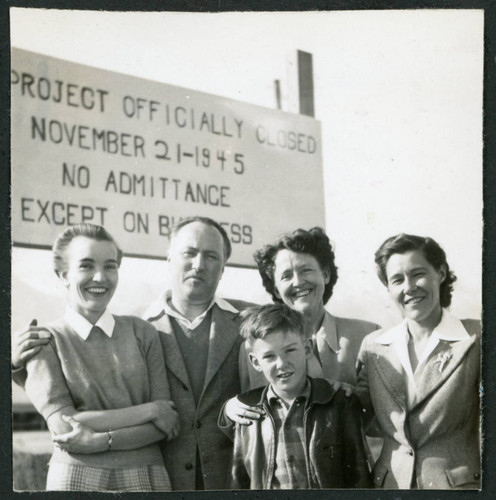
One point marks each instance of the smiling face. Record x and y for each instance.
(91, 275)
(414, 285)
(196, 263)
(300, 281)
(282, 357)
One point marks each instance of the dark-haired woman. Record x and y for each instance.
(102, 373)
(299, 270)
(421, 378)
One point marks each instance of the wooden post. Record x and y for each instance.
(305, 81)
(277, 85)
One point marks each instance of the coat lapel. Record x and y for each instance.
(439, 367)
(327, 345)
(391, 372)
(224, 333)
(172, 353)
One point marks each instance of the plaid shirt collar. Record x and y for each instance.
(320, 393)
(304, 396)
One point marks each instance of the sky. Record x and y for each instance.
(399, 98)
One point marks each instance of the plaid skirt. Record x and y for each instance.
(69, 477)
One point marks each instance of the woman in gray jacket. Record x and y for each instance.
(421, 378)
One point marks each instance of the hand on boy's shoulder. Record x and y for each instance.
(347, 388)
(244, 411)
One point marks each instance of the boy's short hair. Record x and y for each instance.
(260, 321)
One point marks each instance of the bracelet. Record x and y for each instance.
(109, 443)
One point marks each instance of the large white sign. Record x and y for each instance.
(136, 156)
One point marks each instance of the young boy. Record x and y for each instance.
(310, 436)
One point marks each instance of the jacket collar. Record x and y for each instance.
(321, 392)
(305, 394)
(172, 353)
(449, 328)
(328, 333)
(452, 344)
(224, 333)
(444, 360)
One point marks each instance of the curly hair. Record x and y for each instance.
(432, 252)
(64, 239)
(313, 242)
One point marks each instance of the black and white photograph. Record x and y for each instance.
(246, 250)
